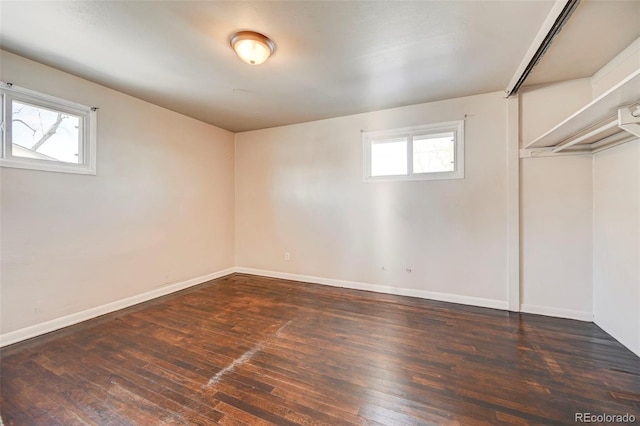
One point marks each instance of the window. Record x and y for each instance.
(434, 151)
(41, 132)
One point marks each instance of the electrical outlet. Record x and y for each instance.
(287, 256)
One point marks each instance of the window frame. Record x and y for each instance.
(370, 137)
(87, 132)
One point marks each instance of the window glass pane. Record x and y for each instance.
(44, 134)
(389, 157)
(434, 153)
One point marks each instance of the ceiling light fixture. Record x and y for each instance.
(252, 47)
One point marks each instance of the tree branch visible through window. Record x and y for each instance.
(17, 120)
(46, 135)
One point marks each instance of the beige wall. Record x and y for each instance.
(299, 189)
(159, 211)
(616, 230)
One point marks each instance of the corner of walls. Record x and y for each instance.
(616, 266)
(616, 220)
(35, 330)
(556, 210)
(299, 189)
(376, 288)
(573, 221)
(235, 199)
(158, 212)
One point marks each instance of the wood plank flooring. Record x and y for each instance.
(245, 350)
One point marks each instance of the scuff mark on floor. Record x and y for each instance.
(236, 362)
(278, 333)
(244, 358)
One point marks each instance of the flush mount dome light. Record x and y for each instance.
(253, 48)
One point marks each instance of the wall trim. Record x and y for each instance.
(68, 320)
(356, 285)
(65, 321)
(557, 312)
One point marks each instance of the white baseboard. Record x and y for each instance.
(423, 294)
(58, 323)
(557, 312)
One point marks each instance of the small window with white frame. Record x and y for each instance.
(42, 132)
(429, 152)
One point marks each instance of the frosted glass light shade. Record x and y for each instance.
(253, 48)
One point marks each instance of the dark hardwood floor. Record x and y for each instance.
(246, 350)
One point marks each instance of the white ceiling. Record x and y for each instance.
(332, 58)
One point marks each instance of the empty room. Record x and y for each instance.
(320, 212)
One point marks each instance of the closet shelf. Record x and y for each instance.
(609, 120)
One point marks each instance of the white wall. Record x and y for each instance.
(159, 211)
(299, 189)
(616, 221)
(556, 223)
(556, 209)
(545, 105)
(616, 230)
